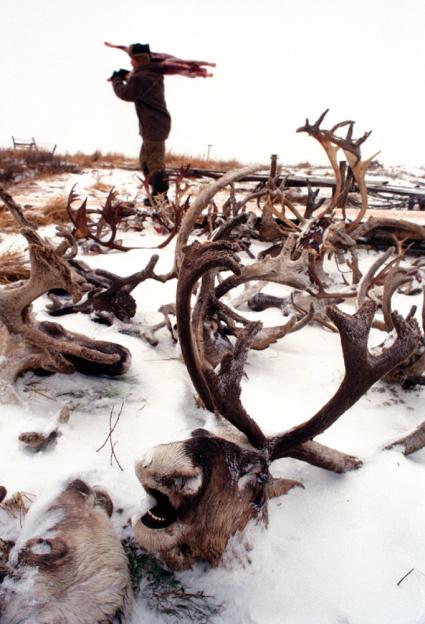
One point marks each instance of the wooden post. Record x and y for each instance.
(273, 165)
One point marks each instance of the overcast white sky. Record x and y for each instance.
(278, 62)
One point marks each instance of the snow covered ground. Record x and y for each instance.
(334, 552)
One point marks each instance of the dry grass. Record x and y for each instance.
(20, 164)
(175, 161)
(15, 164)
(7, 222)
(101, 186)
(172, 161)
(53, 211)
(99, 160)
(13, 267)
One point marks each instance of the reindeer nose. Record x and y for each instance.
(80, 486)
(142, 471)
(146, 458)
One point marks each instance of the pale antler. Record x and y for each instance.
(28, 344)
(200, 203)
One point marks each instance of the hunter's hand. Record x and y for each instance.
(120, 73)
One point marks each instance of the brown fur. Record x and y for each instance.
(75, 572)
(215, 487)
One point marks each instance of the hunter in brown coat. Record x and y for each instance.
(145, 87)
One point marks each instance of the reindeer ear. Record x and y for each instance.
(103, 499)
(253, 470)
(79, 486)
(201, 433)
(43, 552)
(279, 487)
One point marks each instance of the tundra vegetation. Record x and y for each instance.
(205, 489)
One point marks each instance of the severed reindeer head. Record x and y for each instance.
(205, 489)
(208, 487)
(68, 565)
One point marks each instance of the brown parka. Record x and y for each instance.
(145, 87)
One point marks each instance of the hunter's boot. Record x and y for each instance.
(159, 185)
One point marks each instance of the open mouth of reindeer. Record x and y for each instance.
(162, 514)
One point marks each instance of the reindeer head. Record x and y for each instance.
(208, 487)
(204, 490)
(67, 564)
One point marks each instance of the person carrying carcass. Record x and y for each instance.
(145, 87)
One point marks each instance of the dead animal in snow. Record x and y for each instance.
(208, 487)
(68, 566)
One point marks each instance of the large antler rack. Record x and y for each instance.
(111, 297)
(109, 215)
(31, 345)
(331, 143)
(220, 391)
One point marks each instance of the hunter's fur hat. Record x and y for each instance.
(137, 49)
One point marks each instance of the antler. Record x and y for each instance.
(362, 370)
(200, 203)
(15, 210)
(110, 214)
(220, 391)
(28, 344)
(351, 148)
(281, 269)
(113, 298)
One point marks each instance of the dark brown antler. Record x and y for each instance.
(110, 215)
(220, 391)
(114, 298)
(216, 391)
(362, 370)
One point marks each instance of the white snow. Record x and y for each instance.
(334, 552)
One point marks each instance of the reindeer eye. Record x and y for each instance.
(166, 481)
(180, 482)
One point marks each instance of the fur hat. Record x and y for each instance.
(136, 49)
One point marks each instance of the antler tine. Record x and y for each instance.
(396, 277)
(71, 199)
(362, 370)
(219, 393)
(370, 275)
(69, 247)
(15, 210)
(197, 260)
(313, 128)
(226, 390)
(341, 124)
(423, 309)
(107, 210)
(201, 202)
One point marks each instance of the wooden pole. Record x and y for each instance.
(273, 165)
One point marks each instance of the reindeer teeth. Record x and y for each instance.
(161, 515)
(157, 518)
